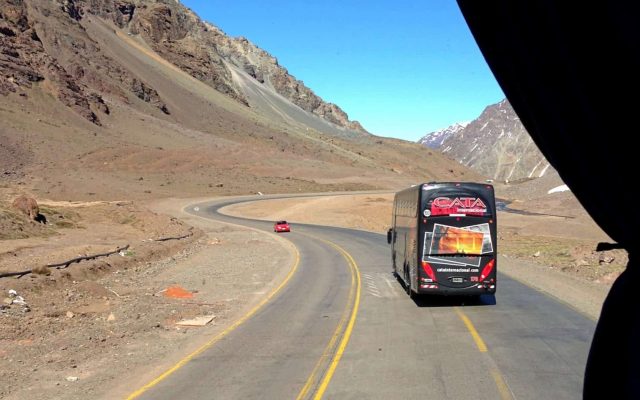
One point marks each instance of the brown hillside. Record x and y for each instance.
(93, 110)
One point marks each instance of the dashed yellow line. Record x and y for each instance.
(221, 335)
(503, 389)
(472, 329)
(354, 298)
(498, 378)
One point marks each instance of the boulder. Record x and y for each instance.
(28, 206)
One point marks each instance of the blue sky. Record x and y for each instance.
(401, 68)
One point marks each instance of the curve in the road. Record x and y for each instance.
(532, 346)
(220, 335)
(329, 299)
(317, 383)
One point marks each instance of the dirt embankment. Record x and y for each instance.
(98, 328)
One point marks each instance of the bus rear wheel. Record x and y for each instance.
(407, 283)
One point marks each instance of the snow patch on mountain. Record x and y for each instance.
(435, 139)
(495, 144)
(558, 189)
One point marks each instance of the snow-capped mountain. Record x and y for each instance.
(496, 144)
(434, 139)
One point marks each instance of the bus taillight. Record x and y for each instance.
(428, 270)
(487, 269)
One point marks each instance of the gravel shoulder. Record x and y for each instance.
(584, 296)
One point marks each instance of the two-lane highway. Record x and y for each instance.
(521, 343)
(343, 328)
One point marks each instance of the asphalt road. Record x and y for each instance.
(343, 328)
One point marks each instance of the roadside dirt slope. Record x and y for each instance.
(104, 328)
(106, 102)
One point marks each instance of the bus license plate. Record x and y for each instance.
(456, 280)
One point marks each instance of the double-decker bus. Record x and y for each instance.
(443, 238)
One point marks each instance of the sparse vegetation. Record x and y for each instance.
(61, 218)
(15, 225)
(129, 219)
(569, 255)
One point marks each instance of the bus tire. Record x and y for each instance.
(407, 283)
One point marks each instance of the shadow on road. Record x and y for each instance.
(453, 301)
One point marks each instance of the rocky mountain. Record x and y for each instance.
(435, 139)
(127, 99)
(80, 71)
(496, 145)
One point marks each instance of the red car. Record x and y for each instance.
(281, 226)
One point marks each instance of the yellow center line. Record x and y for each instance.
(503, 388)
(472, 329)
(221, 335)
(311, 381)
(498, 378)
(347, 333)
(351, 311)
